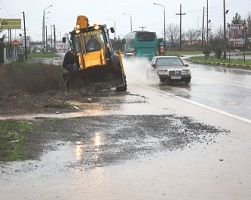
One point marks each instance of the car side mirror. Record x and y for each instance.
(154, 65)
(186, 65)
(112, 30)
(64, 39)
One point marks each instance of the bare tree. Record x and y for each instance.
(192, 35)
(172, 32)
(216, 43)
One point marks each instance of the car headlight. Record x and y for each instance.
(162, 72)
(186, 71)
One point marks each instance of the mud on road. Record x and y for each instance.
(109, 140)
(103, 139)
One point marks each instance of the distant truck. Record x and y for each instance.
(141, 44)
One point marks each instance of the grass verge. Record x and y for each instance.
(13, 136)
(214, 61)
(182, 53)
(42, 55)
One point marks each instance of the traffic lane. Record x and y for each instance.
(200, 170)
(233, 100)
(224, 75)
(224, 89)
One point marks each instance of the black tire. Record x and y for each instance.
(187, 81)
(162, 80)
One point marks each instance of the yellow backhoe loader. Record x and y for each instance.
(92, 58)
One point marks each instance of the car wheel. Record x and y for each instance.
(162, 80)
(187, 81)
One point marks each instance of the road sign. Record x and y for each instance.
(10, 23)
(237, 34)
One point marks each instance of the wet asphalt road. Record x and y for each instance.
(226, 89)
(144, 144)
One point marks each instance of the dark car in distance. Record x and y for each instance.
(170, 68)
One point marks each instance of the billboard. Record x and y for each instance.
(237, 34)
(10, 23)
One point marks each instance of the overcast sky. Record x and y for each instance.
(63, 13)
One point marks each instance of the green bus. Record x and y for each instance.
(141, 44)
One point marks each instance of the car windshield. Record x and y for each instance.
(169, 62)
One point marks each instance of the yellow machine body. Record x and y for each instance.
(94, 55)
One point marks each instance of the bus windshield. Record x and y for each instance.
(146, 36)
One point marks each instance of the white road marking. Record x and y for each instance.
(204, 106)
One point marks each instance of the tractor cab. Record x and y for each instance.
(92, 46)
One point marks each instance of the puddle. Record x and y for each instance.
(97, 141)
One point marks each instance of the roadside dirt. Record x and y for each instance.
(53, 101)
(34, 88)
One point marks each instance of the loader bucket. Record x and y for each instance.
(100, 77)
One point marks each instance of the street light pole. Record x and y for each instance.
(203, 28)
(25, 41)
(46, 38)
(128, 14)
(131, 22)
(43, 25)
(207, 21)
(164, 9)
(54, 36)
(224, 21)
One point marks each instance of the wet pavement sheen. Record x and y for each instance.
(144, 144)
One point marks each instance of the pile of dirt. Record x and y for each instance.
(30, 87)
(30, 78)
(39, 88)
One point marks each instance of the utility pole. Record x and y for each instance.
(46, 38)
(207, 21)
(51, 35)
(9, 35)
(180, 14)
(43, 26)
(225, 38)
(25, 41)
(54, 36)
(203, 27)
(142, 28)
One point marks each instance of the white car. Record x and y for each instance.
(170, 68)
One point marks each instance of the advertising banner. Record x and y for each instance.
(237, 34)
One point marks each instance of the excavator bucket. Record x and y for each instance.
(108, 75)
(103, 78)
